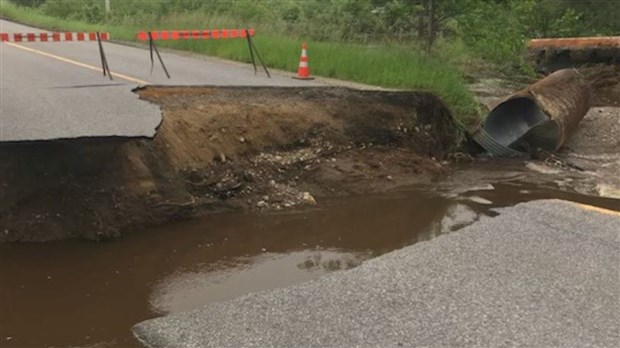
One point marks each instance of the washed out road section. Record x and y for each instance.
(54, 91)
(542, 273)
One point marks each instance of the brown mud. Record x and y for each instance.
(75, 293)
(222, 148)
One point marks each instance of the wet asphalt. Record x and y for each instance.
(542, 273)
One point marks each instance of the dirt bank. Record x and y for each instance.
(269, 149)
(222, 148)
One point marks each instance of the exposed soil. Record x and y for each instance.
(224, 148)
(605, 82)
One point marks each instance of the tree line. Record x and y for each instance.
(492, 29)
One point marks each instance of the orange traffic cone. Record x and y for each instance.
(303, 72)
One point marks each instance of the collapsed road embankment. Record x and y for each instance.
(224, 148)
(269, 148)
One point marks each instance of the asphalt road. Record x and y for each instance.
(57, 90)
(541, 274)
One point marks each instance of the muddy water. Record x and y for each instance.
(75, 293)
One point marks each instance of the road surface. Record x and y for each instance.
(57, 90)
(541, 274)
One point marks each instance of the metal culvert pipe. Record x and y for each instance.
(540, 117)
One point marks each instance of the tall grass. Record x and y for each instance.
(387, 65)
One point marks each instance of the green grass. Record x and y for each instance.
(386, 65)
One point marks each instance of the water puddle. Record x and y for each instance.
(76, 293)
(187, 289)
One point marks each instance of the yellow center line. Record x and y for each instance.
(67, 60)
(597, 209)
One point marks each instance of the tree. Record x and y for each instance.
(29, 3)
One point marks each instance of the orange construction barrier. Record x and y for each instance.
(196, 34)
(53, 37)
(303, 72)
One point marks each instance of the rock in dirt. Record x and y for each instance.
(307, 198)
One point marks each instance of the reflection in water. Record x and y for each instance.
(214, 283)
(75, 293)
(457, 217)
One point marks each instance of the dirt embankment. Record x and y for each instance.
(223, 148)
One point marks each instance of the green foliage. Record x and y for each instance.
(494, 30)
(90, 11)
(28, 3)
